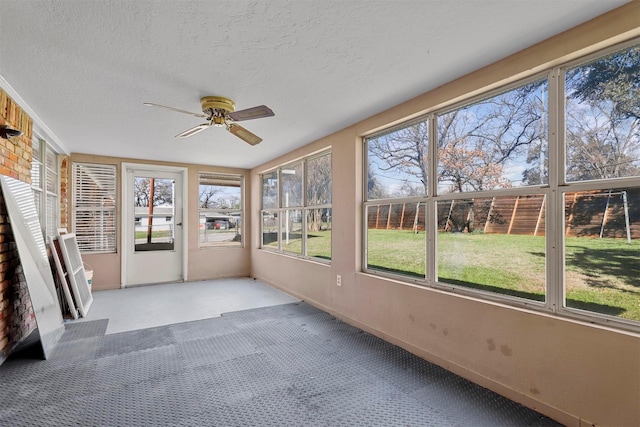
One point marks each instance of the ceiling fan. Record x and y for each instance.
(220, 112)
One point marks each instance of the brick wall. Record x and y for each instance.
(17, 319)
(15, 153)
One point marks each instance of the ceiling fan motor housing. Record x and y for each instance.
(217, 108)
(212, 103)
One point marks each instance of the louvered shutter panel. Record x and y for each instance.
(94, 207)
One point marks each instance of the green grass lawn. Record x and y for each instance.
(318, 244)
(602, 275)
(144, 234)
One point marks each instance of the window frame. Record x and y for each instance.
(280, 211)
(41, 188)
(557, 185)
(230, 177)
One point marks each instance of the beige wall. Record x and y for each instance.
(574, 372)
(203, 263)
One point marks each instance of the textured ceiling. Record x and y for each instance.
(85, 68)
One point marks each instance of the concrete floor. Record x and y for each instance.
(144, 307)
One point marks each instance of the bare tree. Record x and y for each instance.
(291, 177)
(466, 159)
(603, 117)
(375, 190)
(318, 189)
(475, 143)
(615, 78)
(207, 196)
(162, 191)
(404, 151)
(270, 190)
(601, 143)
(141, 191)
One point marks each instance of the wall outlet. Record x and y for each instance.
(339, 280)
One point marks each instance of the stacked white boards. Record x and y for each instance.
(70, 269)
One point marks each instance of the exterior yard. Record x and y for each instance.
(601, 275)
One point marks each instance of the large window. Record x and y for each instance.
(491, 150)
(397, 180)
(318, 207)
(296, 208)
(94, 207)
(601, 188)
(45, 184)
(220, 208)
(477, 198)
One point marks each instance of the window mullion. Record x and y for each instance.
(554, 219)
(303, 210)
(431, 223)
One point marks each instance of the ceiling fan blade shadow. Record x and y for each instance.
(244, 134)
(150, 104)
(193, 130)
(251, 113)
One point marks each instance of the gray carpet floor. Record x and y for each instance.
(284, 365)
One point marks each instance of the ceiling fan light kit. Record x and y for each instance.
(221, 112)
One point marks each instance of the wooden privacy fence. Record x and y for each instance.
(607, 213)
(397, 216)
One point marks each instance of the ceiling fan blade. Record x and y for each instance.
(150, 104)
(244, 134)
(193, 130)
(251, 113)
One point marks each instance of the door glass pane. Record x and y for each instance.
(154, 214)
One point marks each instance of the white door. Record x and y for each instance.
(154, 235)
